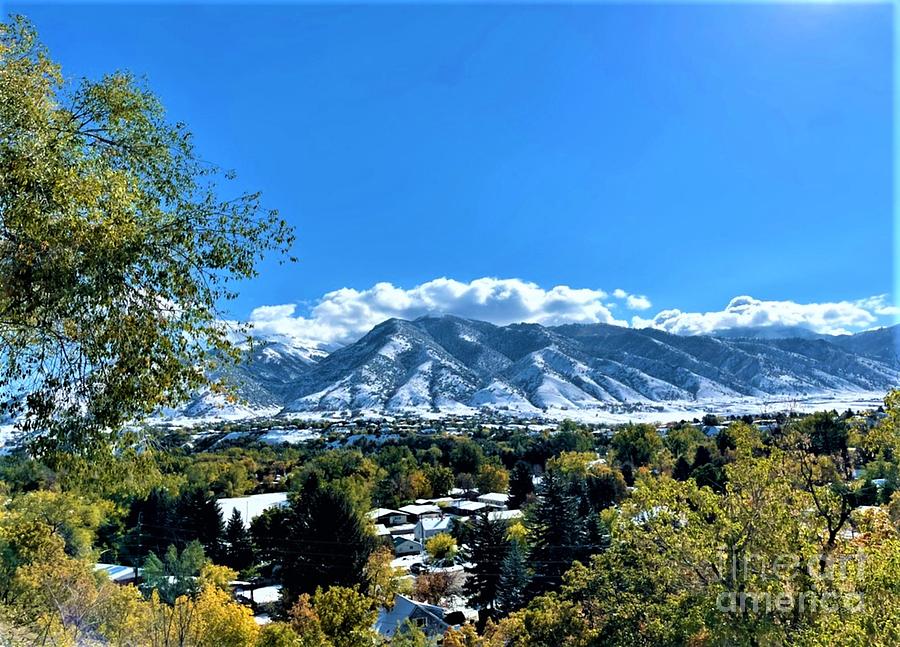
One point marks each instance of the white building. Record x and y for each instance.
(497, 500)
(387, 517)
(415, 512)
(430, 526)
(404, 546)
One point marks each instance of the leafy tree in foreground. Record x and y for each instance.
(334, 617)
(636, 445)
(441, 548)
(492, 478)
(433, 587)
(116, 244)
(383, 580)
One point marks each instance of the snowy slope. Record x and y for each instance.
(445, 363)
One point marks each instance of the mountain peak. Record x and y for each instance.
(449, 363)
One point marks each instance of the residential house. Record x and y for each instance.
(387, 517)
(464, 508)
(430, 526)
(400, 531)
(404, 546)
(498, 500)
(438, 501)
(427, 617)
(415, 512)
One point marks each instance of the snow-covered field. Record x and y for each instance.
(290, 436)
(657, 413)
(641, 412)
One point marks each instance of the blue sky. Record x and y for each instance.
(686, 153)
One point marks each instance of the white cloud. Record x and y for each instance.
(633, 301)
(880, 306)
(273, 313)
(638, 302)
(346, 314)
(832, 318)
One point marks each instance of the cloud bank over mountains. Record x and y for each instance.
(836, 318)
(344, 315)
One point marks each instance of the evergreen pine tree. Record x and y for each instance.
(487, 549)
(682, 469)
(152, 522)
(557, 531)
(320, 540)
(200, 518)
(520, 485)
(515, 579)
(702, 456)
(238, 553)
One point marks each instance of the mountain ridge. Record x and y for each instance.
(448, 363)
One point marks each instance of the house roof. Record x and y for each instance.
(434, 524)
(381, 512)
(504, 515)
(420, 509)
(405, 529)
(389, 621)
(469, 506)
(400, 540)
(117, 572)
(494, 497)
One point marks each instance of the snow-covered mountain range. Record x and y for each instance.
(451, 364)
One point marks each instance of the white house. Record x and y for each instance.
(416, 512)
(429, 527)
(399, 531)
(465, 508)
(404, 546)
(497, 500)
(387, 517)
